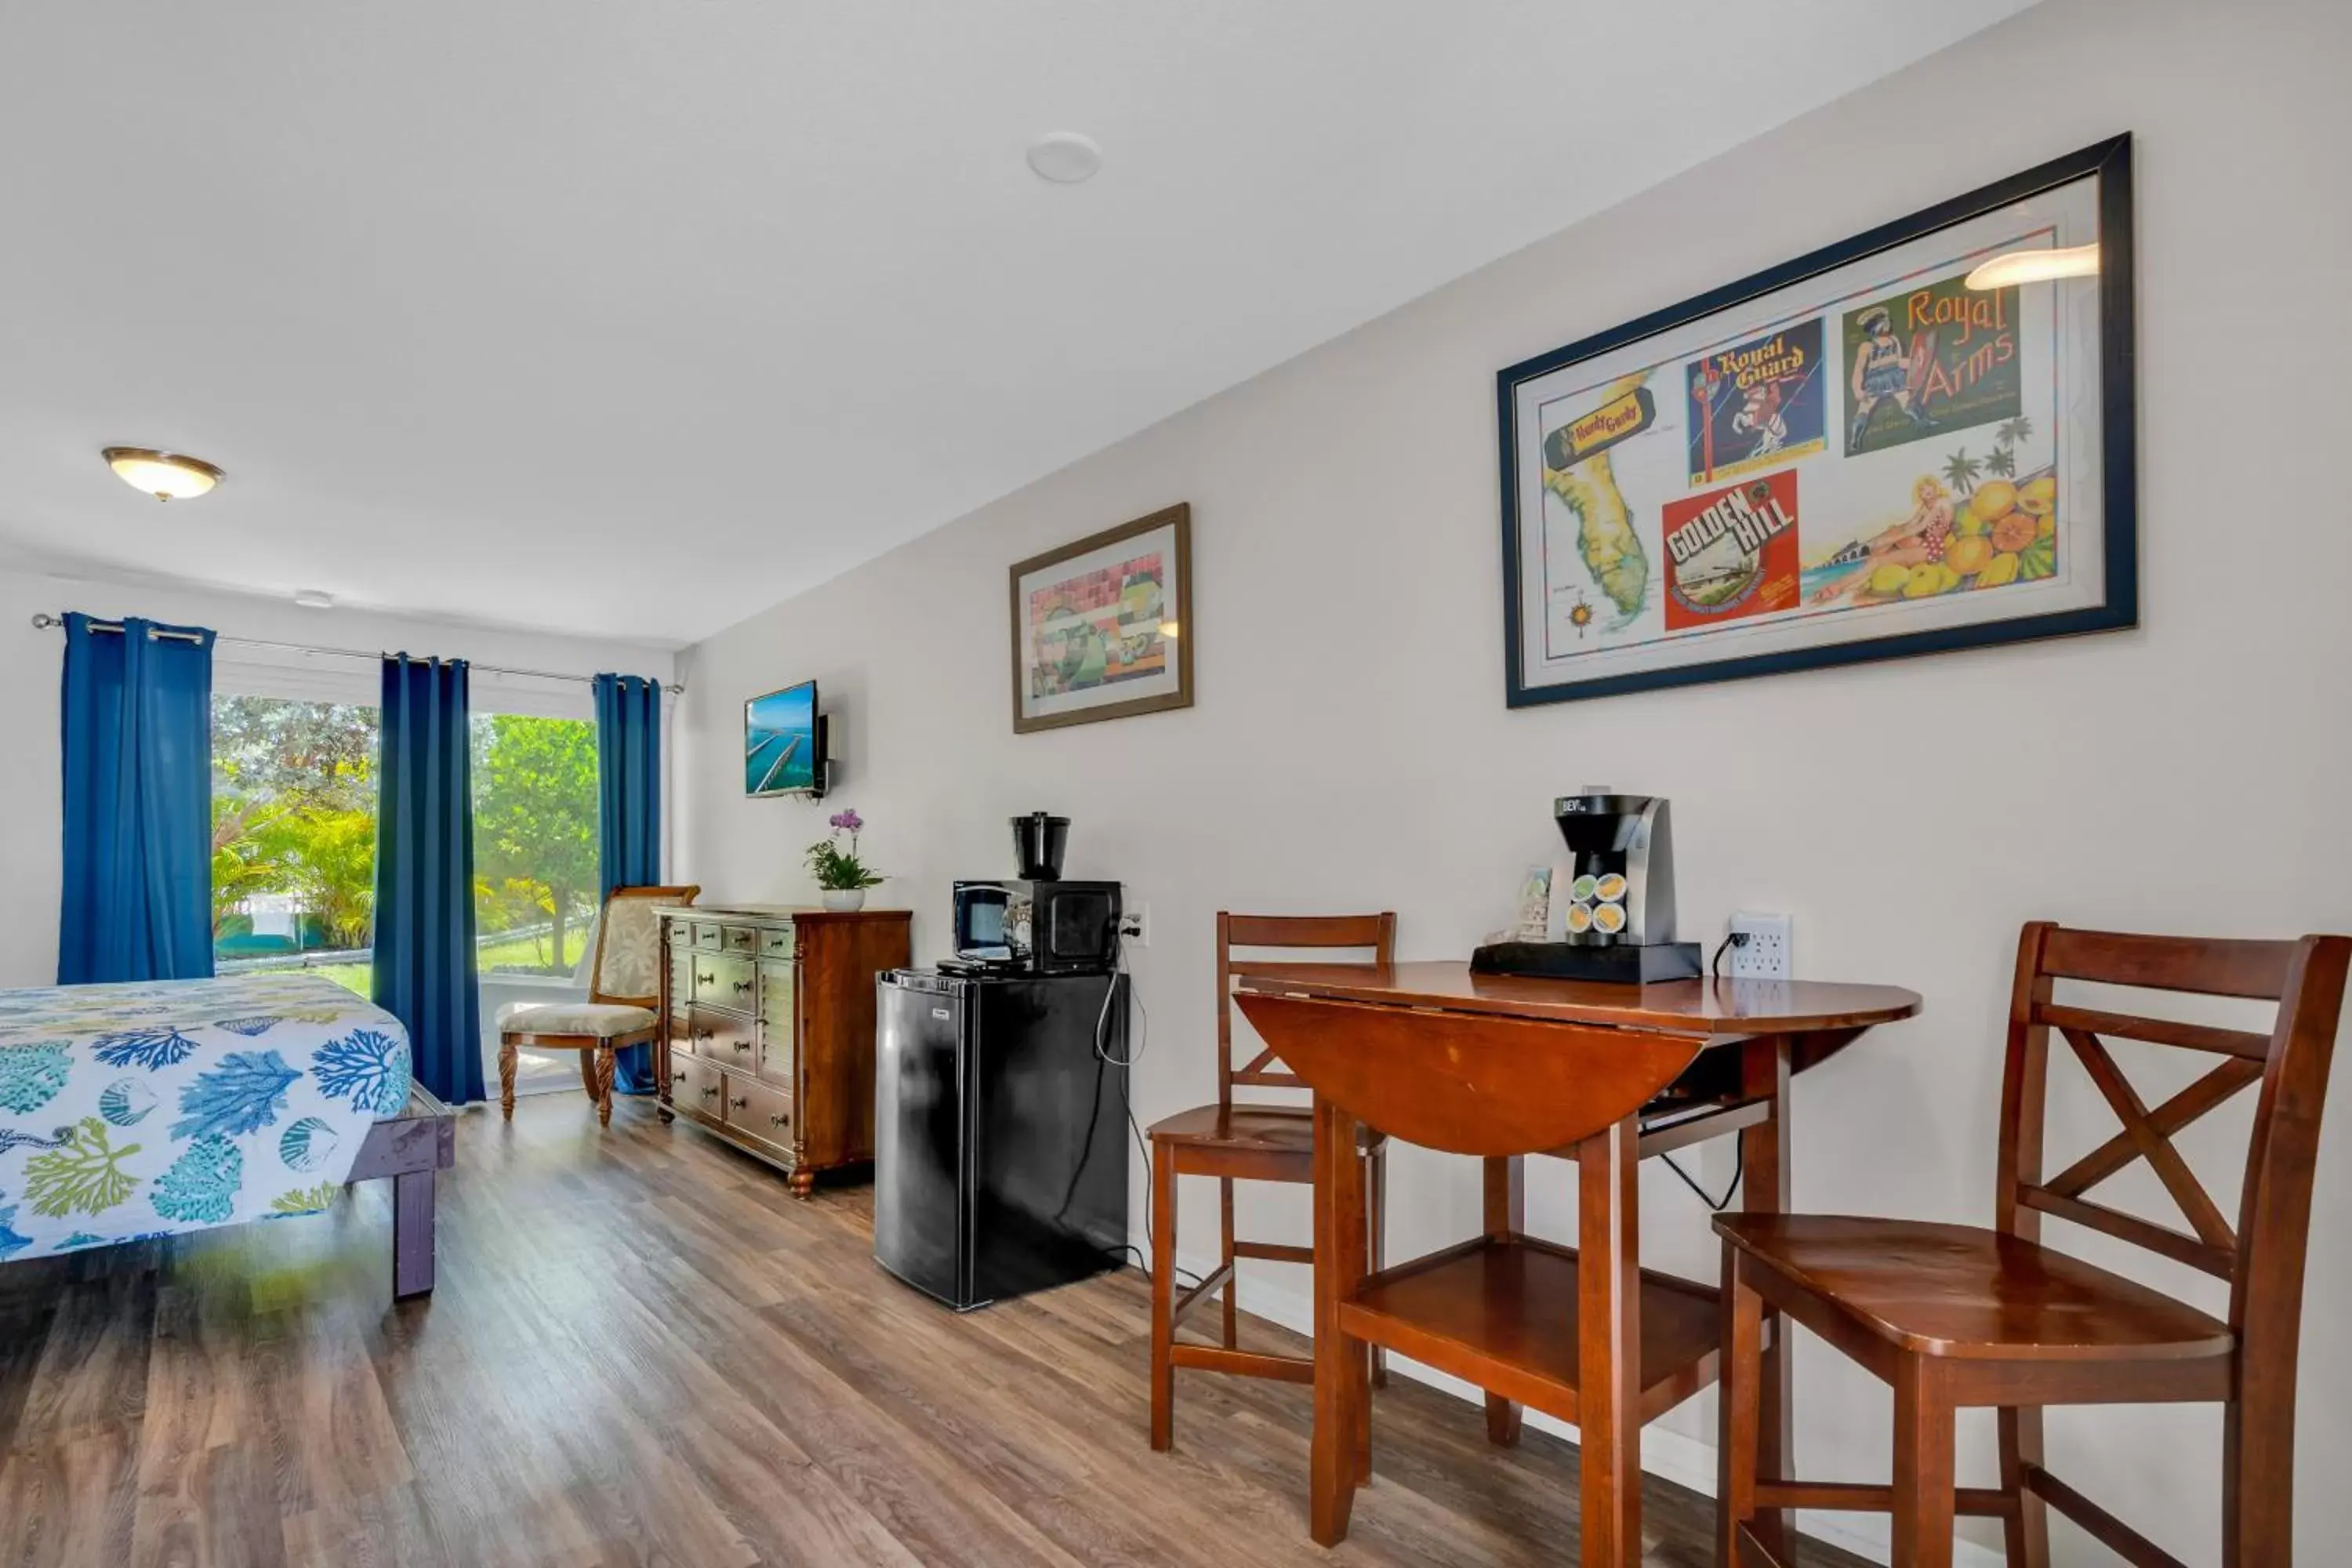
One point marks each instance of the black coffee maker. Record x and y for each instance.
(1618, 920)
(1038, 844)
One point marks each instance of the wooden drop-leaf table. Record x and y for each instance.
(1501, 1067)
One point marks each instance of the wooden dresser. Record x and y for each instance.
(768, 1029)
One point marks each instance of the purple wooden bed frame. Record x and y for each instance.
(409, 1148)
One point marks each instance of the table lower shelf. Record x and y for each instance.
(1503, 1315)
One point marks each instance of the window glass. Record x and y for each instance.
(534, 842)
(293, 847)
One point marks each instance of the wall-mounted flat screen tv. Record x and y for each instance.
(783, 742)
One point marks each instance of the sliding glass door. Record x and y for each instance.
(293, 852)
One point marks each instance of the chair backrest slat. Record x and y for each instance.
(2244, 1042)
(1376, 933)
(2263, 1257)
(2207, 966)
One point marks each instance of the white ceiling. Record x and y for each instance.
(629, 317)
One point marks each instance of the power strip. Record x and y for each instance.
(1765, 955)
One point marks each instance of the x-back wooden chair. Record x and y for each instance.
(1241, 1140)
(1953, 1315)
(624, 990)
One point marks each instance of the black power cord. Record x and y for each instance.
(1739, 1168)
(1739, 1148)
(1732, 939)
(1134, 1055)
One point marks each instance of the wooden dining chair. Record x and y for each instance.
(624, 990)
(1237, 1140)
(1954, 1315)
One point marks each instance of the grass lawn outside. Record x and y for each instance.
(523, 952)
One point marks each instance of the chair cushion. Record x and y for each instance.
(605, 1020)
(1960, 1290)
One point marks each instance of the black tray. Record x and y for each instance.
(1624, 964)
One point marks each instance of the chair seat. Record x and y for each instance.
(1958, 1290)
(598, 1020)
(1277, 1128)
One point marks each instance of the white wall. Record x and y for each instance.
(1351, 750)
(31, 846)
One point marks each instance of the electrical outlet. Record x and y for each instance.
(1136, 925)
(1764, 954)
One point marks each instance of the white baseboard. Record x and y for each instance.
(1672, 1456)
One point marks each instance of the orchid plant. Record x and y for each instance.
(838, 869)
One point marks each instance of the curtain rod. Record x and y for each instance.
(44, 620)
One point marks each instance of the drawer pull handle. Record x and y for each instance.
(741, 1103)
(705, 980)
(710, 1091)
(780, 1121)
(740, 1045)
(741, 987)
(679, 1077)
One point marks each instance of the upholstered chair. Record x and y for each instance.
(624, 990)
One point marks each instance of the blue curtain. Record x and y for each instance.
(137, 727)
(424, 958)
(628, 815)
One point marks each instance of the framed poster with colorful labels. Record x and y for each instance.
(1918, 440)
(1102, 628)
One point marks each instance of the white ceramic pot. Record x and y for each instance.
(844, 901)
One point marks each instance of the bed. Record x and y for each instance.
(156, 1109)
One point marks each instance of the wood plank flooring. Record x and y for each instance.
(643, 1352)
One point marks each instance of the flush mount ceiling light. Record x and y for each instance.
(2017, 267)
(166, 476)
(1064, 157)
(314, 598)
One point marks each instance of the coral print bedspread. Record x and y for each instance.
(127, 1111)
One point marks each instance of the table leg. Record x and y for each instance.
(1609, 1349)
(1505, 1216)
(1765, 1189)
(1341, 1394)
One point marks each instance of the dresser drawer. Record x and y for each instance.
(739, 939)
(777, 943)
(697, 1086)
(707, 935)
(681, 1029)
(759, 1110)
(723, 1037)
(726, 980)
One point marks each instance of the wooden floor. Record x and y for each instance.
(643, 1352)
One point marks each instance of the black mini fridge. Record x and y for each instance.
(1000, 1132)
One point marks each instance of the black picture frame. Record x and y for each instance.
(2110, 162)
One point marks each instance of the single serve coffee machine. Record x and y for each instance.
(1618, 919)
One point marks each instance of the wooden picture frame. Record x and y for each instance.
(1109, 612)
(1823, 463)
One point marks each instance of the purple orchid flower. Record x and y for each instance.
(848, 821)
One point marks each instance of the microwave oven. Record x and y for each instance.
(1038, 928)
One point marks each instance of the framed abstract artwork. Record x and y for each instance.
(1103, 628)
(1918, 440)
